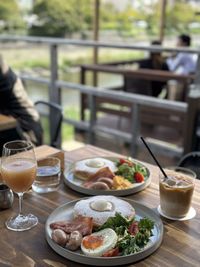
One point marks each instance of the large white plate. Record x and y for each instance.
(76, 184)
(65, 212)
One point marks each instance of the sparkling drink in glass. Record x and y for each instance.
(18, 172)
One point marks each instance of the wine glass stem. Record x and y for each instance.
(20, 195)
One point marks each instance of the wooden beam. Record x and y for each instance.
(96, 38)
(162, 19)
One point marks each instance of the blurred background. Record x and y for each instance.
(127, 22)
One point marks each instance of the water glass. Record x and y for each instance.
(48, 175)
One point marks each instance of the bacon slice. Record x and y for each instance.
(103, 172)
(82, 224)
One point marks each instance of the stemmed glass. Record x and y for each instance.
(18, 172)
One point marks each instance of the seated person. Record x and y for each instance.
(155, 62)
(182, 62)
(14, 101)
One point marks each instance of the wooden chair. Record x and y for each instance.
(191, 161)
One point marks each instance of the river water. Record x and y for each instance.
(70, 97)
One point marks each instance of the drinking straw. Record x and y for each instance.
(153, 157)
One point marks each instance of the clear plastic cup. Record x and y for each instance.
(176, 191)
(48, 175)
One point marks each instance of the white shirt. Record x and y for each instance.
(183, 63)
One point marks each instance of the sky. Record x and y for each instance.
(120, 4)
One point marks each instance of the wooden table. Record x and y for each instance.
(180, 246)
(7, 122)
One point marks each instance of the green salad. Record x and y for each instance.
(130, 170)
(133, 235)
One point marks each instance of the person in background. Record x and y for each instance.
(14, 101)
(155, 62)
(183, 62)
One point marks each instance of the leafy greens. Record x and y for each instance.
(127, 243)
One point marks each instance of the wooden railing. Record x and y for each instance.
(134, 75)
(134, 100)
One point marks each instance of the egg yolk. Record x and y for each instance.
(92, 242)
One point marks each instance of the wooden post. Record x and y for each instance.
(96, 38)
(135, 129)
(197, 74)
(190, 123)
(92, 106)
(83, 96)
(54, 92)
(54, 95)
(162, 19)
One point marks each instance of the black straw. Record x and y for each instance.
(153, 156)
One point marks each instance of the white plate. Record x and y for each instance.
(191, 214)
(65, 212)
(76, 184)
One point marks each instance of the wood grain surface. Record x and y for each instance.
(180, 246)
(7, 122)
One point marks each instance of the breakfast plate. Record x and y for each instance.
(72, 181)
(65, 212)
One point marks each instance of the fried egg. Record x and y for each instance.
(96, 244)
(83, 169)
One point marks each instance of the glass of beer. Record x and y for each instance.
(18, 166)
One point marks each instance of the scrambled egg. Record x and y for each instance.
(120, 182)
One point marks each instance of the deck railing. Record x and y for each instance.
(55, 86)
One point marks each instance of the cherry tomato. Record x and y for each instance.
(111, 253)
(139, 178)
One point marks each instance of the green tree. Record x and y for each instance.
(10, 16)
(55, 18)
(107, 16)
(179, 15)
(151, 14)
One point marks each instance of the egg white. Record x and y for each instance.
(94, 164)
(109, 242)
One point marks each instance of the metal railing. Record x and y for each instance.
(55, 85)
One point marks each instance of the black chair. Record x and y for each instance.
(52, 129)
(191, 161)
(10, 135)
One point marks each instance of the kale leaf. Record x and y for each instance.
(118, 223)
(132, 244)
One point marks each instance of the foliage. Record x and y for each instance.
(58, 18)
(126, 21)
(68, 130)
(175, 18)
(10, 16)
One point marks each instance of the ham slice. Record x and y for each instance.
(103, 172)
(82, 224)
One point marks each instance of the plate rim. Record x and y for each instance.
(107, 261)
(93, 192)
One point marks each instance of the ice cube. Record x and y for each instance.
(182, 183)
(171, 181)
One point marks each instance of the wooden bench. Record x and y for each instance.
(140, 79)
(173, 128)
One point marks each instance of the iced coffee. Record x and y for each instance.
(176, 192)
